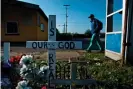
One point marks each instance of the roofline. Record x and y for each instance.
(43, 14)
(28, 5)
(37, 8)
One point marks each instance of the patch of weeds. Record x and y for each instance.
(109, 70)
(106, 71)
(94, 55)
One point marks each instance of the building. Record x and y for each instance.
(119, 43)
(23, 22)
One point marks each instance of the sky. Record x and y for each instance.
(78, 12)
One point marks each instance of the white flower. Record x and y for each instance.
(23, 85)
(96, 59)
(98, 64)
(43, 68)
(25, 58)
(22, 70)
(109, 72)
(43, 72)
(26, 73)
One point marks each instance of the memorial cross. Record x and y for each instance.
(52, 45)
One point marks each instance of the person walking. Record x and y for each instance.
(96, 27)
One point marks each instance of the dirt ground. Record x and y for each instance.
(42, 53)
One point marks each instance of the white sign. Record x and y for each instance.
(52, 53)
(54, 44)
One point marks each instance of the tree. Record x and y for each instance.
(87, 32)
(57, 34)
(57, 31)
(76, 33)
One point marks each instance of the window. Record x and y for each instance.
(38, 20)
(117, 5)
(114, 23)
(114, 5)
(12, 28)
(42, 27)
(114, 15)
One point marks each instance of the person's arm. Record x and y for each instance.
(96, 24)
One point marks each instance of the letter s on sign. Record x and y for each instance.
(52, 32)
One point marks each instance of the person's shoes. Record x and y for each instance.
(88, 51)
(101, 51)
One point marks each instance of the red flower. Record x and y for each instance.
(44, 87)
(18, 58)
(11, 60)
(15, 59)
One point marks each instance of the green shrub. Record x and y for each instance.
(109, 70)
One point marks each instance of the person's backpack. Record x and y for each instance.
(100, 24)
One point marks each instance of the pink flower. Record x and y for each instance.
(44, 87)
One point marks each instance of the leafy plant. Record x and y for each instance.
(109, 71)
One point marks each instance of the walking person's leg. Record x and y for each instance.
(92, 41)
(99, 43)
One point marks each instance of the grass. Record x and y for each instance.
(109, 71)
(106, 71)
(103, 69)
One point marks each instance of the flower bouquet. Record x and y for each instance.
(32, 75)
(23, 73)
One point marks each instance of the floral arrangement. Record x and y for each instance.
(32, 75)
(26, 73)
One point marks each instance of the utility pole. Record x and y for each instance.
(66, 16)
(64, 28)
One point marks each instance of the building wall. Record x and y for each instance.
(27, 24)
(42, 35)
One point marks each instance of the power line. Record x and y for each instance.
(66, 16)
